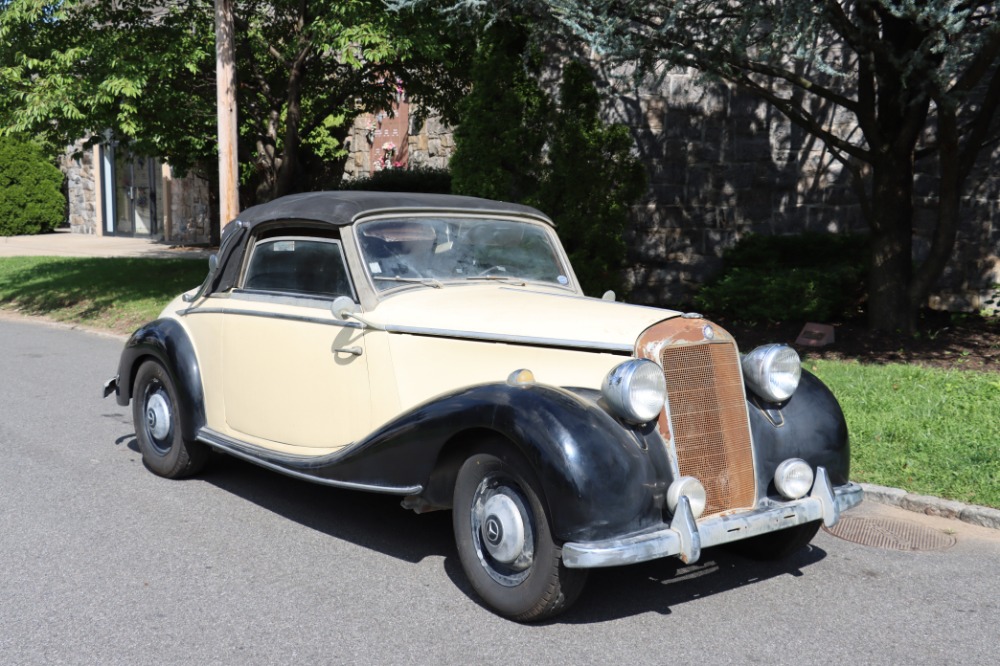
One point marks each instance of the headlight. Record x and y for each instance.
(772, 371)
(635, 390)
(793, 478)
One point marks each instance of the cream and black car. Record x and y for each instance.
(440, 348)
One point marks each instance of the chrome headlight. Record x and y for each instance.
(635, 390)
(772, 371)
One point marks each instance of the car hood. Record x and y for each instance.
(506, 313)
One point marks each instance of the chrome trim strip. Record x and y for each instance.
(271, 315)
(677, 540)
(277, 462)
(513, 339)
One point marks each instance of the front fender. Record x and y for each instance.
(166, 341)
(598, 476)
(809, 425)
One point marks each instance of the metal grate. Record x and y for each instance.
(708, 419)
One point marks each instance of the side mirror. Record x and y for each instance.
(343, 307)
(608, 296)
(213, 262)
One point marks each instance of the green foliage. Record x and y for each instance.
(415, 179)
(515, 143)
(810, 277)
(144, 71)
(31, 198)
(503, 121)
(590, 183)
(929, 431)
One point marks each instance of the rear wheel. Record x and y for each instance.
(157, 425)
(505, 543)
(776, 545)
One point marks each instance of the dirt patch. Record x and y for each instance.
(943, 341)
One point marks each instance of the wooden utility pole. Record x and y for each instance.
(225, 93)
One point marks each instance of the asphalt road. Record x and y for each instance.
(102, 562)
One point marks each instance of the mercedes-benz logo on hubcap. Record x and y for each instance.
(494, 530)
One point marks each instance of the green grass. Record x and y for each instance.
(929, 431)
(115, 294)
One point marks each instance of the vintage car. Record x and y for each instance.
(440, 348)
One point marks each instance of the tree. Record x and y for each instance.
(516, 142)
(142, 71)
(919, 78)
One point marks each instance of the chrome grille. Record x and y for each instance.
(708, 419)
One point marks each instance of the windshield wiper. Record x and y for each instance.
(501, 278)
(427, 282)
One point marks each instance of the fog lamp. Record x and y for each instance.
(793, 478)
(690, 487)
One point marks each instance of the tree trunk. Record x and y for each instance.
(890, 307)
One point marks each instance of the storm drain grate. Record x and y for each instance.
(890, 534)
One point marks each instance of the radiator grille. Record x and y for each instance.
(708, 420)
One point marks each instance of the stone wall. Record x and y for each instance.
(185, 202)
(81, 191)
(425, 143)
(722, 164)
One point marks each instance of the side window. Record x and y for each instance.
(297, 265)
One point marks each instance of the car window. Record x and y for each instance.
(434, 250)
(297, 265)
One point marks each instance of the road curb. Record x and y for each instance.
(974, 514)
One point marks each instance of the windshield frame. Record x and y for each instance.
(383, 288)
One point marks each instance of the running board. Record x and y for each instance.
(299, 467)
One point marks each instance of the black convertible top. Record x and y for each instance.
(344, 207)
(341, 208)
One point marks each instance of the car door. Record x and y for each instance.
(294, 375)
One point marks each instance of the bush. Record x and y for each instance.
(811, 276)
(417, 179)
(31, 198)
(515, 143)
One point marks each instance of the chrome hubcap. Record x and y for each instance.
(158, 416)
(502, 531)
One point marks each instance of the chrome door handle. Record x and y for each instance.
(354, 351)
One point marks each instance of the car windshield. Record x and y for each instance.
(431, 251)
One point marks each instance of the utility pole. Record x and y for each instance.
(225, 93)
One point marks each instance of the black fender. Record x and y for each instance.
(809, 425)
(166, 341)
(597, 475)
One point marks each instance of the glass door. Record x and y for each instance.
(135, 210)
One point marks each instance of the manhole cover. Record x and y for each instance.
(890, 534)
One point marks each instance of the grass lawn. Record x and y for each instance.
(116, 294)
(928, 431)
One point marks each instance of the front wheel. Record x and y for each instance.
(504, 540)
(157, 425)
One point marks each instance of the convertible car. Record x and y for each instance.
(440, 348)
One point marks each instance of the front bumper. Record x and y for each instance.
(685, 537)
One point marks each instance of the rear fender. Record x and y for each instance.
(166, 341)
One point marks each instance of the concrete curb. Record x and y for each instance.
(983, 516)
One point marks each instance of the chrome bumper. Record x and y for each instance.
(685, 537)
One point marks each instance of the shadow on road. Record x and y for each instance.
(378, 522)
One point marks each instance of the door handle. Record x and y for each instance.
(353, 351)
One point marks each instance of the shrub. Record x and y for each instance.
(514, 142)
(31, 198)
(811, 276)
(416, 179)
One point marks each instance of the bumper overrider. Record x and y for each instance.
(685, 537)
